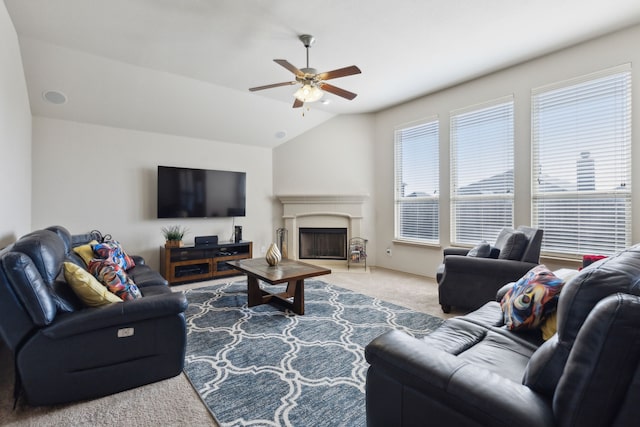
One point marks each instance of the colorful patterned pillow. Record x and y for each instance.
(531, 299)
(112, 250)
(114, 278)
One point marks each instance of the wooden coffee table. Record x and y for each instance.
(287, 271)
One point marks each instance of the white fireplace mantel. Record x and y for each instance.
(323, 198)
(326, 210)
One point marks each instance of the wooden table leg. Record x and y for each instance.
(296, 289)
(254, 294)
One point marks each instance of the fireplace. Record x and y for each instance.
(322, 213)
(322, 243)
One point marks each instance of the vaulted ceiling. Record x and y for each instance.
(184, 67)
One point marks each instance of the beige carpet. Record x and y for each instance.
(174, 402)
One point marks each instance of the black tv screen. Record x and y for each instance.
(200, 193)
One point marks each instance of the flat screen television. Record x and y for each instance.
(200, 193)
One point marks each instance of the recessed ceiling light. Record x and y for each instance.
(281, 134)
(325, 101)
(54, 97)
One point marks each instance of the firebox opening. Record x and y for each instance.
(323, 243)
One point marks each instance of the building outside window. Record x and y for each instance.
(581, 141)
(417, 182)
(482, 180)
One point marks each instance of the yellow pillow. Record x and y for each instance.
(87, 287)
(549, 326)
(86, 251)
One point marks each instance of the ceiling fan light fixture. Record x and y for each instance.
(308, 93)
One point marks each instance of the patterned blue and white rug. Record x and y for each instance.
(263, 366)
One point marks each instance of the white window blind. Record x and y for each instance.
(482, 171)
(581, 139)
(417, 180)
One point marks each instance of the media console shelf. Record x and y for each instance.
(194, 263)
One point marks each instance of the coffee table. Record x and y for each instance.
(287, 271)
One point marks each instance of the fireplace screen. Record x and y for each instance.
(323, 243)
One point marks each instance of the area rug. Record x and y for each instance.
(266, 366)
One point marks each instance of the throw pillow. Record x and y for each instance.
(114, 278)
(86, 251)
(112, 250)
(549, 326)
(481, 250)
(514, 246)
(88, 289)
(531, 299)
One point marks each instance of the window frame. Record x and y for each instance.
(400, 199)
(490, 224)
(584, 217)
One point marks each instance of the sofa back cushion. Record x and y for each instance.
(46, 250)
(30, 287)
(534, 242)
(41, 254)
(511, 243)
(595, 383)
(619, 273)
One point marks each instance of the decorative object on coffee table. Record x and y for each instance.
(273, 255)
(173, 235)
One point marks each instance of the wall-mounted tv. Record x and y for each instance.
(200, 193)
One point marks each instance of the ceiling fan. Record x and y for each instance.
(312, 83)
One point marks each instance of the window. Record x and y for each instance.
(482, 171)
(581, 138)
(417, 182)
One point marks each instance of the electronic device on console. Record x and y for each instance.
(206, 240)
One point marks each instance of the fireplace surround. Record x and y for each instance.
(321, 211)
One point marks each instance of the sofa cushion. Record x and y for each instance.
(46, 250)
(86, 251)
(481, 250)
(512, 244)
(144, 276)
(31, 289)
(618, 273)
(112, 250)
(114, 278)
(500, 354)
(531, 299)
(87, 287)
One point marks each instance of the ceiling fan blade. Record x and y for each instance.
(289, 67)
(297, 103)
(253, 89)
(338, 91)
(341, 72)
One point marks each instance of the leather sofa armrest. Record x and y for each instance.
(117, 314)
(458, 388)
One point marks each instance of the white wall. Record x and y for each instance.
(582, 59)
(89, 177)
(15, 137)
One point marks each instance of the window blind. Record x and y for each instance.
(417, 181)
(482, 182)
(581, 140)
